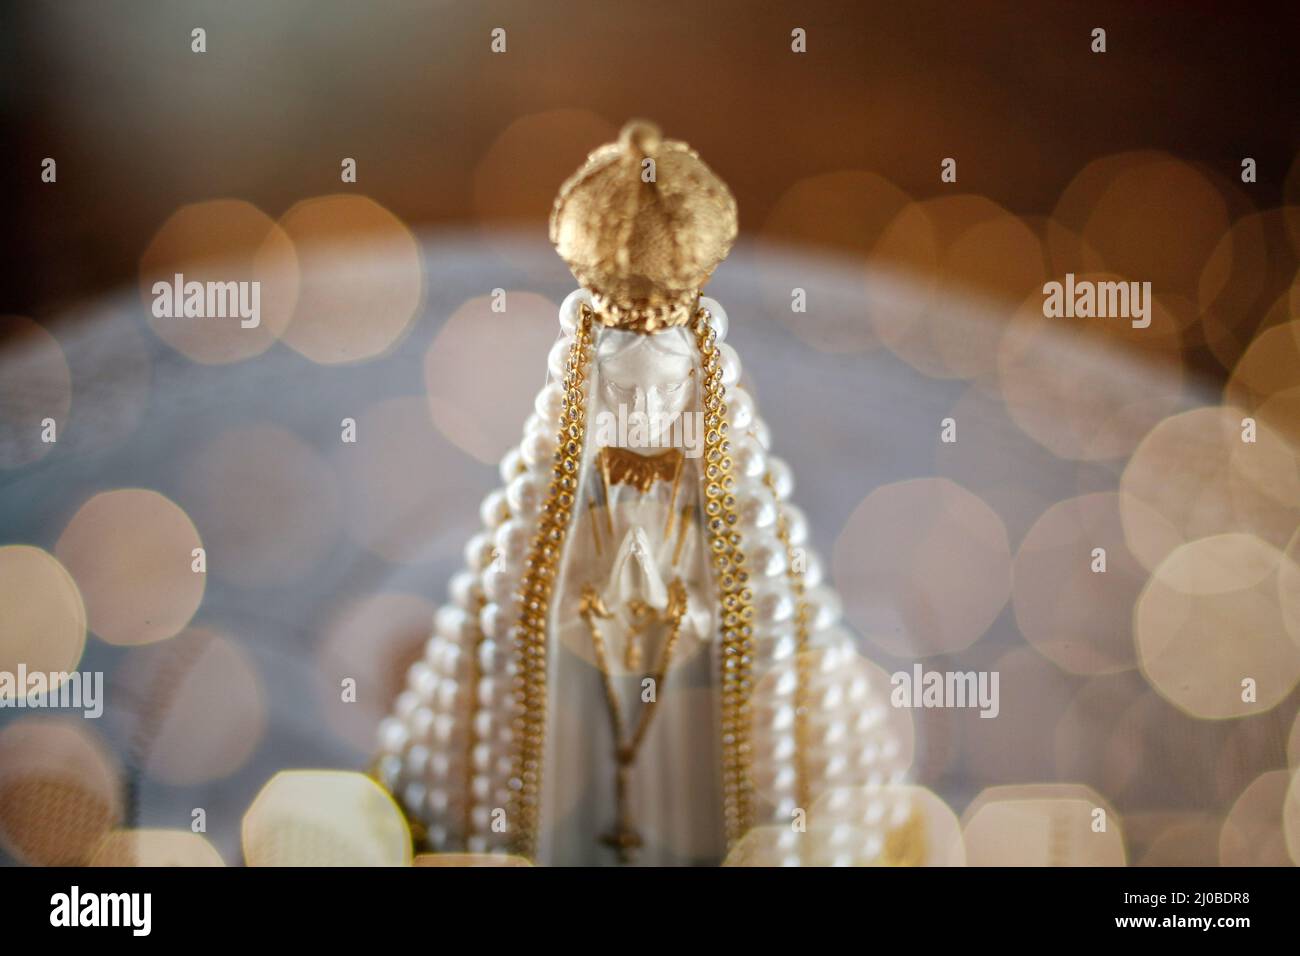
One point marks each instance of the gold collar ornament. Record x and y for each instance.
(624, 466)
(642, 225)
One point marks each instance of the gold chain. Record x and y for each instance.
(624, 838)
(734, 594)
(529, 726)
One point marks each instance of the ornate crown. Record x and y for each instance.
(642, 225)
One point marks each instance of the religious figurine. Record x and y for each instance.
(641, 662)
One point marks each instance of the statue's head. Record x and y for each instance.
(646, 382)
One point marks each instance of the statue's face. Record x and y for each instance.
(646, 375)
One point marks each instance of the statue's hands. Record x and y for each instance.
(592, 604)
(677, 600)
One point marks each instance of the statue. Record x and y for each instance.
(641, 663)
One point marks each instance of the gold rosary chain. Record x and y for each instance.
(529, 725)
(625, 838)
(677, 611)
(735, 596)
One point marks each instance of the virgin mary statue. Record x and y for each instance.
(641, 662)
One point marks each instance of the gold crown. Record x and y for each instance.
(642, 225)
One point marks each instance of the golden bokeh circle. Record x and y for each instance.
(518, 174)
(44, 617)
(923, 566)
(837, 214)
(945, 270)
(220, 241)
(1252, 833)
(1042, 825)
(1088, 389)
(1209, 629)
(1075, 585)
(1158, 221)
(149, 847)
(1269, 367)
(1090, 740)
(201, 707)
(131, 552)
(1029, 701)
(362, 279)
(1193, 475)
(1288, 586)
(373, 639)
(60, 791)
(904, 825)
(514, 339)
(324, 818)
(1291, 817)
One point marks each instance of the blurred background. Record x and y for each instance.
(923, 304)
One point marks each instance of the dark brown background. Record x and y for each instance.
(140, 125)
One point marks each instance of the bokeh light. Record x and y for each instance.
(1075, 584)
(521, 170)
(1270, 367)
(1092, 742)
(1194, 476)
(923, 566)
(44, 618)
(484, 418)
(965, 260)
(780, 845)
(1032, 697)
(1074, 389)
(1190, 839)
(469, 860)
(838, 213)
(904, 825)
(1042, 825)
(131, 553)
(372, 640)
(200, 706)
(362, 279)
(155, 848)
(324, 818)
(60, 791)
(1158, 218)
(1209, 628)
(1291, 818)
(220, 241)
(1252, 834)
